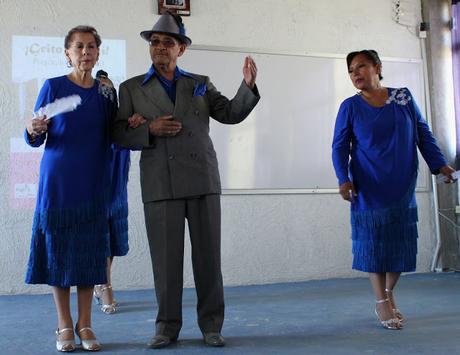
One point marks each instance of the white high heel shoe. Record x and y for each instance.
(392, 323)
(88, 344)
(396, 311)
(98, 297)
(65, 346)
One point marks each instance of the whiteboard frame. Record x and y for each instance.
(425, 188)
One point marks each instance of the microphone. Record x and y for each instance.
(101, 74)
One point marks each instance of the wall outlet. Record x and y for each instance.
(457, 209)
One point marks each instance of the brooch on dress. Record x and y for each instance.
(106, 91)
(399, 96)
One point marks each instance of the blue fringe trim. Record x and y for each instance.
(377, 218)
(119, 227)
(69, 218)
(119, 245)
(73, 257)
(70, 246)
(388, 265)
(388, 248)
(385, 240)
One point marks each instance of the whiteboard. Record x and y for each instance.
(285, 144)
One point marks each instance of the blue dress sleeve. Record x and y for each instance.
(44, 97)
(341, 143)
(113, 109)
(112, 112)
(426, 141)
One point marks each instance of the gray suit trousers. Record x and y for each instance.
(165, 223)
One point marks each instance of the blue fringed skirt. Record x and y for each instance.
(385, 240)
(69, 258)
(118, 214)
(118, 227)
(70, 247)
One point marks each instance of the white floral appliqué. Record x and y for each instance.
(399, 96)
(107, 92)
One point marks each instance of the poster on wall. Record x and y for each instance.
(180, 7)
(34, 59)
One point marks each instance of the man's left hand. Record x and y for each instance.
(249, 72)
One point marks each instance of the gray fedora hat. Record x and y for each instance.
(170, 24)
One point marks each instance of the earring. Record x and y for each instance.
(69, 63)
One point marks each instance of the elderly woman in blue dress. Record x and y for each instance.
(374, 152)
(81, 212)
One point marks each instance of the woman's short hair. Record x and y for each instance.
(82, 29)
(370, 54)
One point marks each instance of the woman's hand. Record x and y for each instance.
(37, 126)
(347, 191)
(447, 172)
(136, 120)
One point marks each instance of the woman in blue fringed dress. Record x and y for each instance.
(118, 224)
(374, 152)
(71, 230)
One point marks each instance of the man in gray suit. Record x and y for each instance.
(179, 173)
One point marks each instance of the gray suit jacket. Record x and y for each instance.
(184, 165)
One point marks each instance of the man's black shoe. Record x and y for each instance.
(214, 339)
(160, 341)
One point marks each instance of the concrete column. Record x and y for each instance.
(440, 78)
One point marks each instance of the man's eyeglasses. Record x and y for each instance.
(167, 43)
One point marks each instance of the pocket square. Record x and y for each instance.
(199, 89)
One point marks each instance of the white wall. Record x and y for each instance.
(265, 238)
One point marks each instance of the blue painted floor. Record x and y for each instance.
(314, 317)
